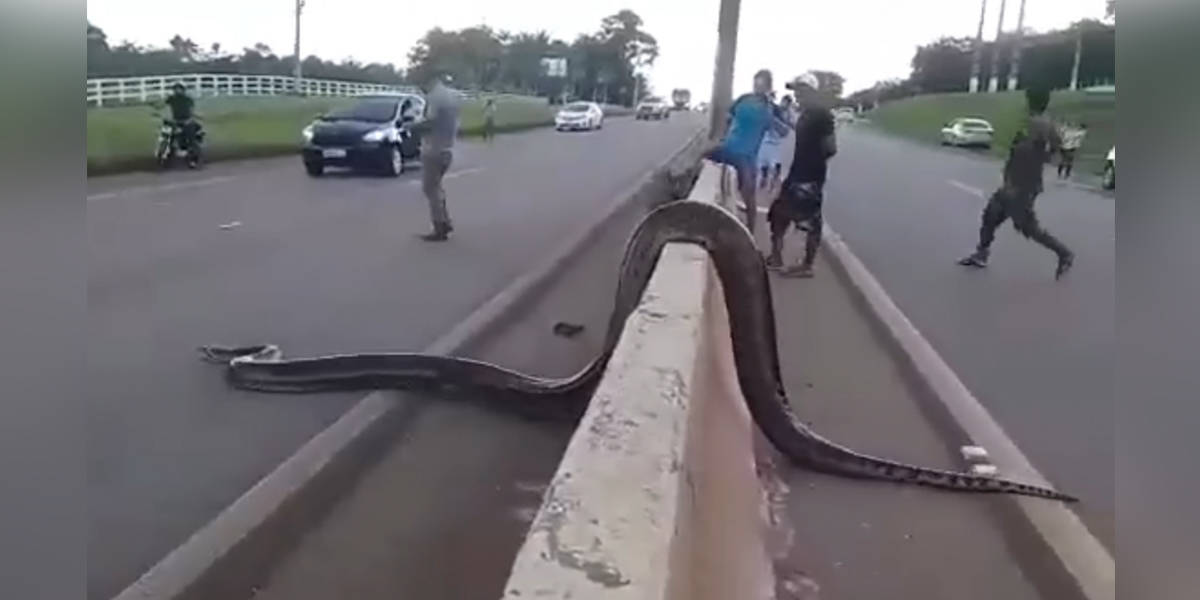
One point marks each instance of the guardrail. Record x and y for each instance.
(104, 91)
(124, 90)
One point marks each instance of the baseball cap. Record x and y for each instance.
(804, 79)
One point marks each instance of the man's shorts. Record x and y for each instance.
(797, 203)
(742, 164)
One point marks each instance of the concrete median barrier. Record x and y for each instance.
(656, 495)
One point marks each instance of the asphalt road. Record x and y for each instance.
(257, 251)
(1037, 353)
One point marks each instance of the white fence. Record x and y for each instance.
(124, 90)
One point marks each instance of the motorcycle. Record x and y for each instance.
(172, 144)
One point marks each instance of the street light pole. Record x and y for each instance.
(994, 78)
(722, 89)
(299, 8)
(1014, 70)
(978, 58)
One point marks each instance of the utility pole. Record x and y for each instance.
(299, 8)
(1014, 71)
(1078, 58)
(994, 78)
(978, 58)
(722, 89)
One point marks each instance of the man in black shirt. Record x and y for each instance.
(802, 192)
(1031, 150)
(182, 107)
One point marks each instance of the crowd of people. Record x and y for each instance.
(757, 127)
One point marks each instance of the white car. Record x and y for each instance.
(967, 131)
(652, 108)
(1109, 179)
(579, 115)
(843, 114)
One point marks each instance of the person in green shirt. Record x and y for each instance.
(183, 113)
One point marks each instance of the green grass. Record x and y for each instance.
(123, 138)
(921, 118)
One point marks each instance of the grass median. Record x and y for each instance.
(124, 138)
(922, 117)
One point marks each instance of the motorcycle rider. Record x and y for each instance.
(183, 115)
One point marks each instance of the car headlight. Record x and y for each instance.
(307, 132)
(377, 135)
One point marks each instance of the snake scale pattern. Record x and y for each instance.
(747, 293)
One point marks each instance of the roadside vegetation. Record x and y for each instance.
(921, 118)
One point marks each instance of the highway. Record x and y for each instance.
(1037, 353)
(257, 251)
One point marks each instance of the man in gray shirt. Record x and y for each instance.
(438, 131)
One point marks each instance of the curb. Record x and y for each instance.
(1049, 540)
(232, 553)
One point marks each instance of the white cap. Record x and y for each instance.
(804, 79)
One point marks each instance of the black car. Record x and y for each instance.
(373, 133)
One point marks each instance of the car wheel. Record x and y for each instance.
(315, 169)
(1109, 179)
(600, 124)
(395, 164)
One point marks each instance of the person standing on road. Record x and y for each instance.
(802, 192)
(749, 118)
(1072, 141)
(769, 161)
(438, 131)
(1031, 150)
(489, 119)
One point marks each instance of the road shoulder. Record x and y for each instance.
(838, 538)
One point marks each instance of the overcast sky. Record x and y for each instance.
(864, 40)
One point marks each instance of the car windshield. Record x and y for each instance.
(576, 108)
(375, 111)
(975, 124)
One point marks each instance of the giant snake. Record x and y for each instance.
(744, 278)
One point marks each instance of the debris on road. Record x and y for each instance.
(567, 330)
(231, 225)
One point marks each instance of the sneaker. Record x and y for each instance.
(800, 271)
(440, 233)
(976, 260)
(1065, 262)
(774, 263)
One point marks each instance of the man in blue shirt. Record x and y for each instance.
(749, 118)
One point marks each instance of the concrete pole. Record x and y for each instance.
(299, 7)
(994, 79)
(1014, 71)
(978, 57)
(1078, 58)
(722, 89)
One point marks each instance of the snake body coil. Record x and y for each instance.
(747, 295)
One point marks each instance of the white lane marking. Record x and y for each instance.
(970, 189)
(453, 174)
(231, 225)
(150, 189)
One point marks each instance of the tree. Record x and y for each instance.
(830, 82)
(1110, 9)
(943, 65)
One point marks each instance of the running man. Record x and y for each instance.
(749, 118)
(438, 131)
(802, 193)
(1031, 150)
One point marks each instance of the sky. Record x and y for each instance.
(864, 40)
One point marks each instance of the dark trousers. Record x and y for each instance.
(798, 204)
(1010, 203)
(1066, 162)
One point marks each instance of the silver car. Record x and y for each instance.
(967, 131)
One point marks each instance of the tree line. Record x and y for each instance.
(1047, 61)
(601, 66)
